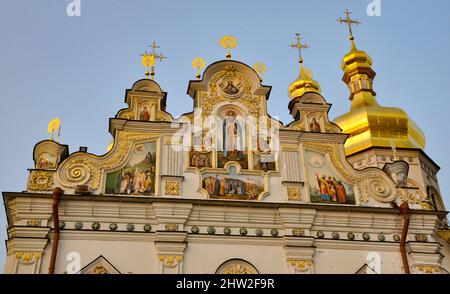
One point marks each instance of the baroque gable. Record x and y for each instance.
(227, 148)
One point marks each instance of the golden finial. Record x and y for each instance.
(228, 42)
(53, 125)
(349, 22)
(148, 60)
(299, 47)
(260, 68)
(198, 63)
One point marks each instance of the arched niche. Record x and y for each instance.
(236, 266)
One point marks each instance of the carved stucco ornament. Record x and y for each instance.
(173, 188)
(170, 260)
(369, 182)
(428, 269)
(215, 96)
(87, 169)
(28, 257)
(294, 193)
(40, 181)
(302, 265)
(236, 267)
(99, 269)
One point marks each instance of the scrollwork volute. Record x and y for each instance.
(78, 172)
(87, 169)
(369, 183)
(379, 188)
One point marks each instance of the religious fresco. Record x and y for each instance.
(231, 86)
(222, 159)
(199, 159)
(325, 186)
(137, 177)
(314, 125)
(203, 139)
(46, 160)
(232, 141)
(144, 114)
(231, 186)
(264, 162)
(263, 144)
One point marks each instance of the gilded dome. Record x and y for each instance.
(304, 83)
(367, 123)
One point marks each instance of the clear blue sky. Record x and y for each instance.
(77, 68)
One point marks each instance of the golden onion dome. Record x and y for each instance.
(367, 123)
(304, 83)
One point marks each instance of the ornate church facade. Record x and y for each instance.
(228, 189)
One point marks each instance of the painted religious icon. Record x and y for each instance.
(314, 126)
(265, 162)
(145, 114)
(232, 137)
(263, 144)
(230, 88)
(137, 177)
(222, 160)
(324, 184)
(232, 141)
(46, 160)
(206, 139)
(233, 186)
(199, 159)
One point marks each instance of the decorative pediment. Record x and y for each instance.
(91, 170)
(231, 66)
(99, 266)
(146, 102)
(365, 269)
(311, 114)
(48, 154)
(331, 179)
(229, 81)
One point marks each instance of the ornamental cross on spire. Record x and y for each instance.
(349, 22)
(299, 46)
(149, 59)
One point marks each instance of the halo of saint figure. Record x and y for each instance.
(331, 189)
(144, 114)
(137, 177)
(324, 184)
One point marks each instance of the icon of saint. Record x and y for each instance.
(230, 88)
(314, 126)
(232, 140)
(144, 115)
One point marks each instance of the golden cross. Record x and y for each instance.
(154, 46)
(299, 46)
(149, 59)
(349, 22)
